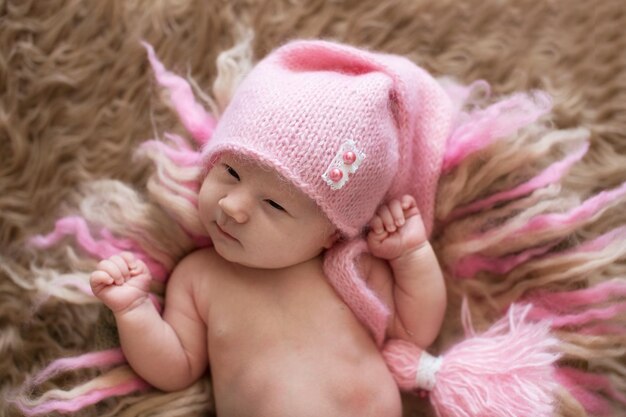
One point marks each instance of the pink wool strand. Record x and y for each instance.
(193, 116)
(578, 215)
(592, 391)
(470, 266)
(480, 128)
(93, 359)
(82, 401)
(98, 248)
(550, 175)
(602, 302)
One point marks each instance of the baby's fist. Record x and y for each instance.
(396, 229)
(121, 282)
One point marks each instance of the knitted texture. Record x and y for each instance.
(309, 103)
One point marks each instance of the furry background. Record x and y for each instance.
(77, 95)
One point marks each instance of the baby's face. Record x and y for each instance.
(258, 219)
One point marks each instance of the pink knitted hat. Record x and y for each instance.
(349, 127)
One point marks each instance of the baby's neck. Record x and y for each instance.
(314, 264)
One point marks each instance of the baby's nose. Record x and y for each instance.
(235, 207)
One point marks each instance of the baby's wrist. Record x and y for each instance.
(410, 256)
(135, 306)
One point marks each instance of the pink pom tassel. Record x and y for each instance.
(505, 372)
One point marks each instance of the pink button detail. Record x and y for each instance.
(349, 158)
(335, 174)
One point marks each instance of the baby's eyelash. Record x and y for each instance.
(231, 171)
(276, 205)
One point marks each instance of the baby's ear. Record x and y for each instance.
(331, 239)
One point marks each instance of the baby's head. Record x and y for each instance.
(257, 218)
(347, 128)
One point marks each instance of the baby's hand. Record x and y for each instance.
(121, 282)
(396, 229)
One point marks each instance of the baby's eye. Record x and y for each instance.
(232, 171)
(275, 205)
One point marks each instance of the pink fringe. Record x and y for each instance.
(101, 249)
(575, 308)
(67, 406)
(587, 389)
(469, 266)
(100, 359)
(480, 128)
(550, 175)
(578, 215)
(196, 120)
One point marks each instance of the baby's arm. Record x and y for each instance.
(169, 352)
(419, 295)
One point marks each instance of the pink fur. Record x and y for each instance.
(478, 129)
(103, 248)
(196, 120)
(469, 266)
(576, 308)
(92, 359)
(84, 400)
(551, 174)
(580, 214)
(588, 389)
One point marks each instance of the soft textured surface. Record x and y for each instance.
(77, 97)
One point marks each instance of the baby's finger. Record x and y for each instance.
(99, 278)
(408, 203)
(121, 264)
(395, 206)
(135, 265)
(112, 269)
(376, 224)
(385, 215)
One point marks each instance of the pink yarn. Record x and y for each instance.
(579, 214)
(469, 266)
(550, 175)
(104, 248)
(576, 308)
(93, 359)
(78, 403)
(192, 115)
(478, 129)
(505, 372)
(591, 390)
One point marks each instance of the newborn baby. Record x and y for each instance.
(258, 308)
(304, 163)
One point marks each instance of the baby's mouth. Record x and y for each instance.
(225, 233)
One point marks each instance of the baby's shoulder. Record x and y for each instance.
(199, 265)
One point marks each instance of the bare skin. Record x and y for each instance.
(258, 308)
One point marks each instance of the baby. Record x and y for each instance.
(302, 170)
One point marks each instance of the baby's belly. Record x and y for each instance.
(308, 382)
(286, 345)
